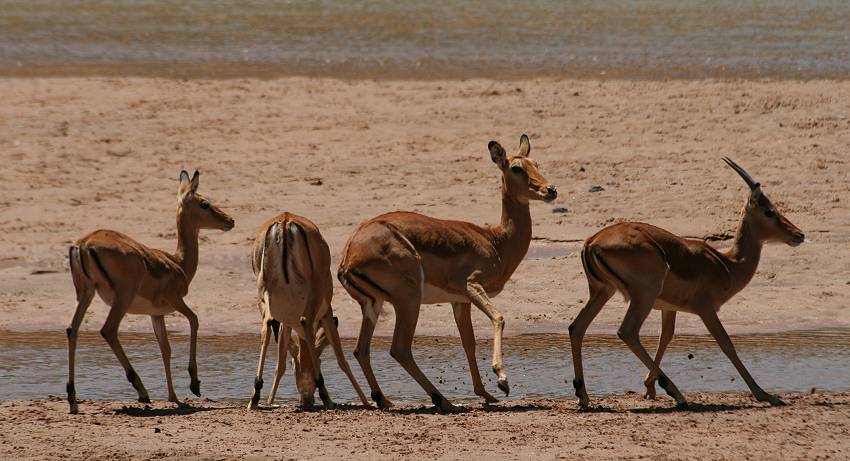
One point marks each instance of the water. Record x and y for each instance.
(426, 39)
(34, 366)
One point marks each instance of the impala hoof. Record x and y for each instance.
(504, 386)
(195, 387)
(74, 409)
(144, 399)
(681, 406)
(773, 400)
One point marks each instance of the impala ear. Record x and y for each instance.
(524, 146)
(498, 154)
(185, 184)
(195, 179)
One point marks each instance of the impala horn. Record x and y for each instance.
(743, 173)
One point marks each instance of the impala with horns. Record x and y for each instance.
(409, 259)
(655, 269)
(292, 263)
(134, 279)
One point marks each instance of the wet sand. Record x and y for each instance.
(720, 426)
(85, 153)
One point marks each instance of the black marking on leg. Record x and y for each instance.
(665, 384)
(195, 387)
(621, 335)
(495, 370)
(320, 381)
(72, 392)
(578, 384)
(68, 332)
(378, 397)
(437, 399)
(356, 353)
(336, 321)
(571, 328)
(258, 384)
(275, 326)
(133, 378)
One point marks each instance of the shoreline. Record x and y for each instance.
(347, 72)
(718, 426)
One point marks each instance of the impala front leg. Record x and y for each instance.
(479, 297)
(181, 307)
(712, 323)
(668, 326)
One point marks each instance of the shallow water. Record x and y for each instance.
(34, 366)
(442, 38)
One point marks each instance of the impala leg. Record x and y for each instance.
(307, 332)
(401, 350)
(479, 297)
(577, 329)
(363, 351)
(629, 332)
(462, 312)
(158, 322)
(668, 326)
(265, 337)
(282, 348)
(84, 298)
(110, 333)
(712, 323)
(332, 334)
(181, 307)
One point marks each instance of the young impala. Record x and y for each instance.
(409, 259)
(291, 261)
(655, 269)
(134, 279)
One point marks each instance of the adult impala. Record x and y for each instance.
(409, 259)
(292, 263)
(134, 279)
(656, 269)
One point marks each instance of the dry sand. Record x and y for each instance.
(720, 426)
(85, 153)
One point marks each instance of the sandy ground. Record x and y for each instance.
(85, 153)
(719, 426)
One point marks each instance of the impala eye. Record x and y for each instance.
(205, 204)
(517, 169)
(770, 213)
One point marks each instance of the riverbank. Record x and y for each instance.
(719, 426)
(85, 153)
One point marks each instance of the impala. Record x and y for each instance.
(409, 259)
(655, 269)
(291, 261)
(134, 279)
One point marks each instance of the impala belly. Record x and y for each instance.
(139, 306)
(433, 295)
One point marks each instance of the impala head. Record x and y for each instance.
(197, 209)
(522, 178)
(304, 380)
(766, 221)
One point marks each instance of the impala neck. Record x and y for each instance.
(187, 246)
(745, 253)
(513, 235)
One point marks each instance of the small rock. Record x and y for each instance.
(596, 189)
(157, 430)
(690, 356)
(560, 209)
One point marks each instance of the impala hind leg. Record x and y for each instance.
(668, 326)
(462, 312)
(407, 315)
(712, 323)
(331, 332)
(362, 352)
(85, 293)
(159, 329)
(479, 297)
(598, 297)
(181, 307)
(639, 308)
(282, 348)
(110, 333)
(265, 337)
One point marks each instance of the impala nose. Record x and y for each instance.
(798, 239)
(230, 223)
(551, 193)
